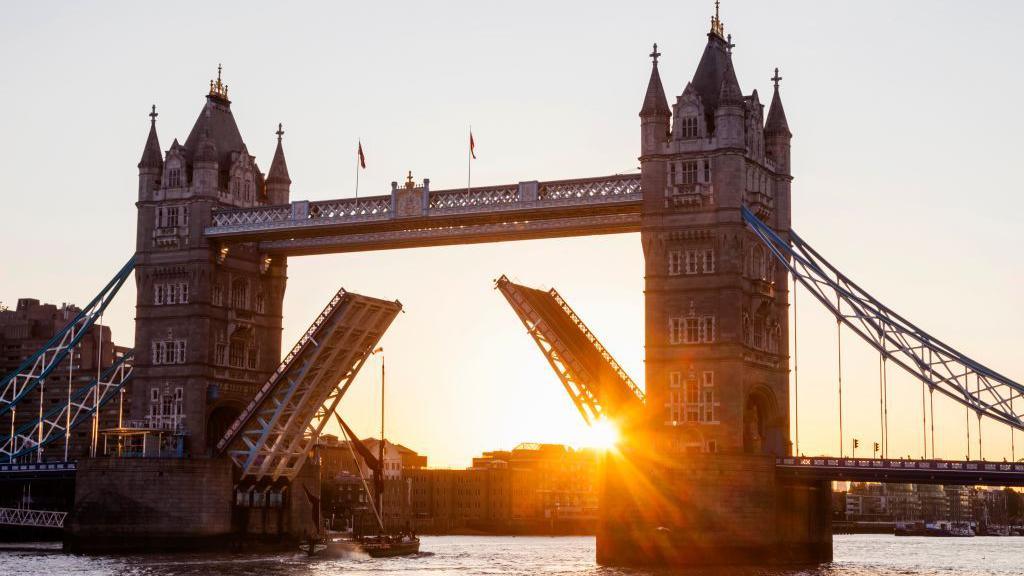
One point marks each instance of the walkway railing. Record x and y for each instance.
(34, 518)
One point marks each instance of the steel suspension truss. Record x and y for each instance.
(34, 518)
(273, 436)
(938, 365)
(57, 421)
(38, 366)
(597, 385)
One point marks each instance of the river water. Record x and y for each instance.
(855, 555)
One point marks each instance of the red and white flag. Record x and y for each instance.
(362, 159)
(472, 146)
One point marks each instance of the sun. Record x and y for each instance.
(603, 435)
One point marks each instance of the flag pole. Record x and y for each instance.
(360, 145)
(469, 161)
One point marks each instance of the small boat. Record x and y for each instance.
(388, 546)
(382, 544)
(312, 548)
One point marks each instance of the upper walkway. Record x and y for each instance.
(417, 216)
(952, 472)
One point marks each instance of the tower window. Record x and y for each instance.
(240, 294)
(689, 127)
(707, 170)
(689, 172)
(236, 354)
(691, 330)
(170, 293)
(675, 263)
(168, 352)
(173, 177)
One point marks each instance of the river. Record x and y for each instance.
(855, 555)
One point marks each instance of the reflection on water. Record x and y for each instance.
(855, 555)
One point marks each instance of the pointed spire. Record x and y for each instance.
(218, 89)
(278, 167)
(655, 103)
(729, 92)
(717, 27)
(776, 122)
(151, 156)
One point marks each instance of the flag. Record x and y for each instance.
(472, 146)
(362, 159)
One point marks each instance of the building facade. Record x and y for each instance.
(208, 318)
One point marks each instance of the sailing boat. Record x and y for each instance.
(382, 544)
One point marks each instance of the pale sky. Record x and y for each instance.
(906, 153)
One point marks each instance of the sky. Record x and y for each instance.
(906, 155)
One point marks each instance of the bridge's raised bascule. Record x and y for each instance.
(598, 386)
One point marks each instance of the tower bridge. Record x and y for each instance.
(707, 473)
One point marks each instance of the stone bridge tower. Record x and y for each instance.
(716, 336)
(208, 320)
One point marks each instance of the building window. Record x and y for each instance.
(707, 170)
(707, 329)
(675, 263)
(692, 399)
(165, 409)
(217, 295)
(675, 330)
(696, 402)
(689, 172)
(219, 351)
(690, 127)
(173, 177)
(170, 293)
(260, 303)
(252, 358)
(758, 263)
(236, 354)
(709, 400)
(240, 294)
(691, 330)
(171, 216)
(168, 352)
(701, 261)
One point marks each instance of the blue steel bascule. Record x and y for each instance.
(713, 193)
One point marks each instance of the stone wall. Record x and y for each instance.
(713, 509)
(150, 503)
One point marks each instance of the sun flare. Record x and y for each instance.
(603, 435)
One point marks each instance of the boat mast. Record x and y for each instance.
(380, 448)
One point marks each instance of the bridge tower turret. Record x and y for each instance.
(208, 317)
(152, 163)
(278, 182)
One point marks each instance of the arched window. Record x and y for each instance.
(757, 263)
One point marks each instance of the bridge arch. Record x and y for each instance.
(764, 424)
(219, 418)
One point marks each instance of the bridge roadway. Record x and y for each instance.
(417, 216)
(953, 472)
